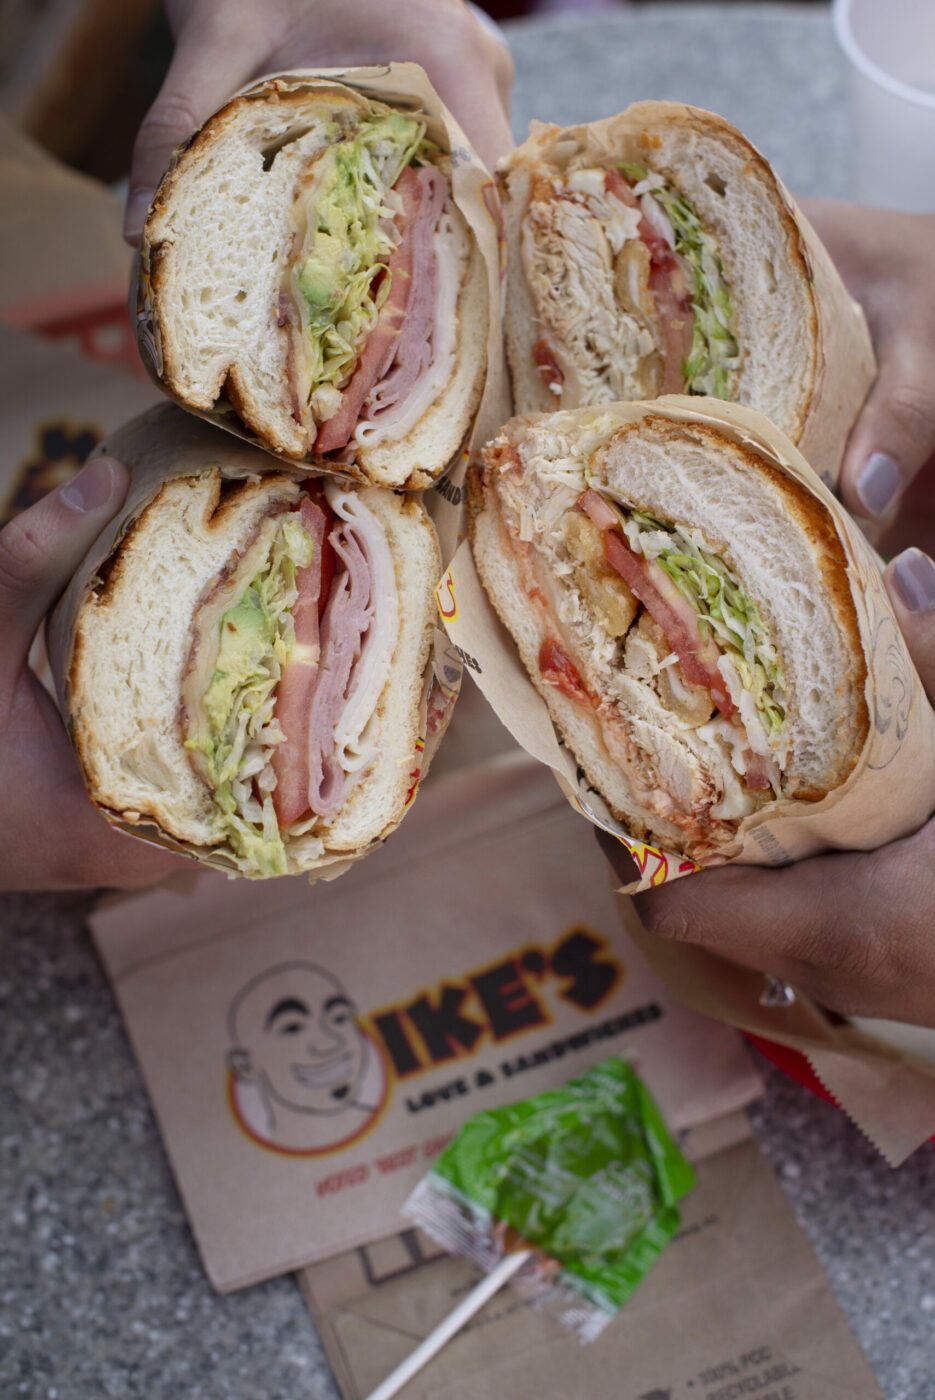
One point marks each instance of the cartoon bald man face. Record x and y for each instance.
(294, 1030)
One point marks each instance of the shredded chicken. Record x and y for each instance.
(608, 351)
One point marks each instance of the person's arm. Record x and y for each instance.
(53, 838)
(223, 44)
(856, 932)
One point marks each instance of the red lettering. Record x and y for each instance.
(395, 1160)
(351, 1176)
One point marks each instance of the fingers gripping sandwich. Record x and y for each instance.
(247, 667)
(684, 609)
(306, 261)
(656, 253)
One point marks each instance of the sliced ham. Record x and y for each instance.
(414, 349)
(346, 619)
(407, 311)
(297, 684)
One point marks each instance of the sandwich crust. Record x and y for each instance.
(779, 542)
(215, 252)
(132, 644)
(790, 307)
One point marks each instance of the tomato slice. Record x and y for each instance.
(558, 669)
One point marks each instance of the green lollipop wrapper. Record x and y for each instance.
(587, 1174)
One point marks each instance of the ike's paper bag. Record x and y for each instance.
(309, 1051)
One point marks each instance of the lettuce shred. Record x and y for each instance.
(723, 607)
(715, 351)
(256, 640)
(349, 243)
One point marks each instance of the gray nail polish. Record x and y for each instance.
(878, 483)
(914, 577)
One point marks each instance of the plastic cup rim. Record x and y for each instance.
(841, 14)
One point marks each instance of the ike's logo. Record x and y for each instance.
(308, 1073)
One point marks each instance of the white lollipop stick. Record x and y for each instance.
(446, 1329)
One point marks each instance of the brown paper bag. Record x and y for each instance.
(163, 443)
(406, 86)
(308, 1052)
(737, 1305)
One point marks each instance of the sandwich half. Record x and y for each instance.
(655, 252)
(246, 669)
(684, 608)
(305, 264)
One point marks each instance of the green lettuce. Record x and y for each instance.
(350, 243)
(724, 610)
(256, 641)
(715, 351)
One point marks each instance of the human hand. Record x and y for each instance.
(852, 931)
(53, 837)
(223, 44)
(887, 261)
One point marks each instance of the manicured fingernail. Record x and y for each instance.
(92, 488)
(135, 215)
(914, 577)
(878, 483)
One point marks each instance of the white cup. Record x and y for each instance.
(891, 48)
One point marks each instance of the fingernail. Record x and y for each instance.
(914, 577)
(135, 215)
(92, 488)
(878, 483)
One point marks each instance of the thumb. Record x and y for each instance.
(42, 548)
(910, 578)
(895, 433)
(211, 60)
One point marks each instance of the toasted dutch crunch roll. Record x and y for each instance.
(305, 264)
(685, 609)
(656, 252)
(244, 672)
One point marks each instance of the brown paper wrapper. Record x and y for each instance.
(891, 790)
(404, 86)
(880, 1074)
(164, 443)
(845, 366)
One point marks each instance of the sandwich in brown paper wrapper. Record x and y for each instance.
(164, 443)
(844, 365)
(403, 86)
(889, 793)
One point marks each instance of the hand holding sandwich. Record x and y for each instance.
(886, 260)
(852, 931)
(53, 838)
(222, 44)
